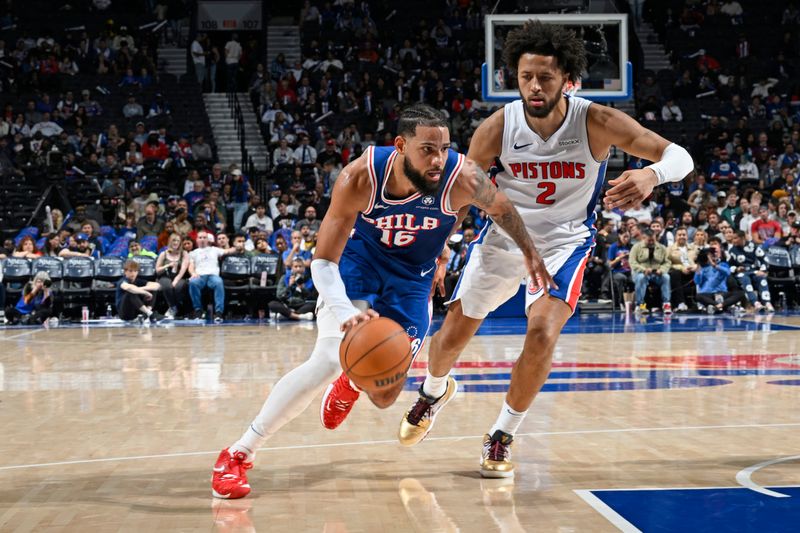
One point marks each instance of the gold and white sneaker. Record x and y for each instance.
(496, 457)
(418, 421)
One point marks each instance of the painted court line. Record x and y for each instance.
(744, 476)
(608, 513)
(23, 334)
(393, 441)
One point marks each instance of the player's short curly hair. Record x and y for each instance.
(534, 37)
(419, 115)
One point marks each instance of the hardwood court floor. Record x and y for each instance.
(116, 429)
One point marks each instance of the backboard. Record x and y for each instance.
(608, 77)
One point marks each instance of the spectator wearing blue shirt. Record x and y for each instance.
(712, 280)
(636, 163)
(789, 158)
(240, 196)
(196, 195)
(295, 294)
(617, 258)
(702, 184)
(296, 250)
(479, 218)
(723, 169)
(35, 305)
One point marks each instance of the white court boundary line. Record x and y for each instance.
(23, 334)
(620, 522)
(394, 441)
(744, 476)
(607, 512)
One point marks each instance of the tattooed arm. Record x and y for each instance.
(475, 187)
(497, 205)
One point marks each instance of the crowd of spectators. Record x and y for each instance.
(135, 185)
(737, 109)
(355, 75)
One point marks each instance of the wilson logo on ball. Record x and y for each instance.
(379, 383)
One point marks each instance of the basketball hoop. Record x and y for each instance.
(607, 77)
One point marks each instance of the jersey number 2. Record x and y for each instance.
(544, 196)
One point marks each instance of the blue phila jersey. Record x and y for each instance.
(412, 230)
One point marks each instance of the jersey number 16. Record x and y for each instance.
(397, 238)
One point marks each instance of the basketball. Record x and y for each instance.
(376, 354)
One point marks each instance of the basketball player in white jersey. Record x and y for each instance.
(553, 152)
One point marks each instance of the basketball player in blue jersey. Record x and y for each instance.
(552, 152)
(400, 203)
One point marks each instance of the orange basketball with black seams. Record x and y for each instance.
(376, 354)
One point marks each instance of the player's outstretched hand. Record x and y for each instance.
(369, 314)
(630, 188)
(538, 272)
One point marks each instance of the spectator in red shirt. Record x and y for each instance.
(707, 61)
(367, 53)
(154, 148)
(285, 93)
(764, 229)
(461, 103)
(49, 65)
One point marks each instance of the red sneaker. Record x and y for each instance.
(229, 480)
(337, 402)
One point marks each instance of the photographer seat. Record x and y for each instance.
(147, 267)
(264, 277)
(235, 274)
(16, 272)
(107, 271)
(780, 275)
(78, 276)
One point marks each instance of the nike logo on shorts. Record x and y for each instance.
(426, 272)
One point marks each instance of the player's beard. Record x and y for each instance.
(541, 112)
(419, 180)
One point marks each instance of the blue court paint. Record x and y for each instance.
(749, 372)
(616, 323)
(705, 510)
(635, 380)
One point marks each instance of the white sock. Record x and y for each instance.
(291, 395)
(248, 444)
(508, 421)
(433, 386)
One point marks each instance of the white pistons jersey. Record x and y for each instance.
(553, 183)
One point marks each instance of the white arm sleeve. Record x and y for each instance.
(675, 164)
(330, 286)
